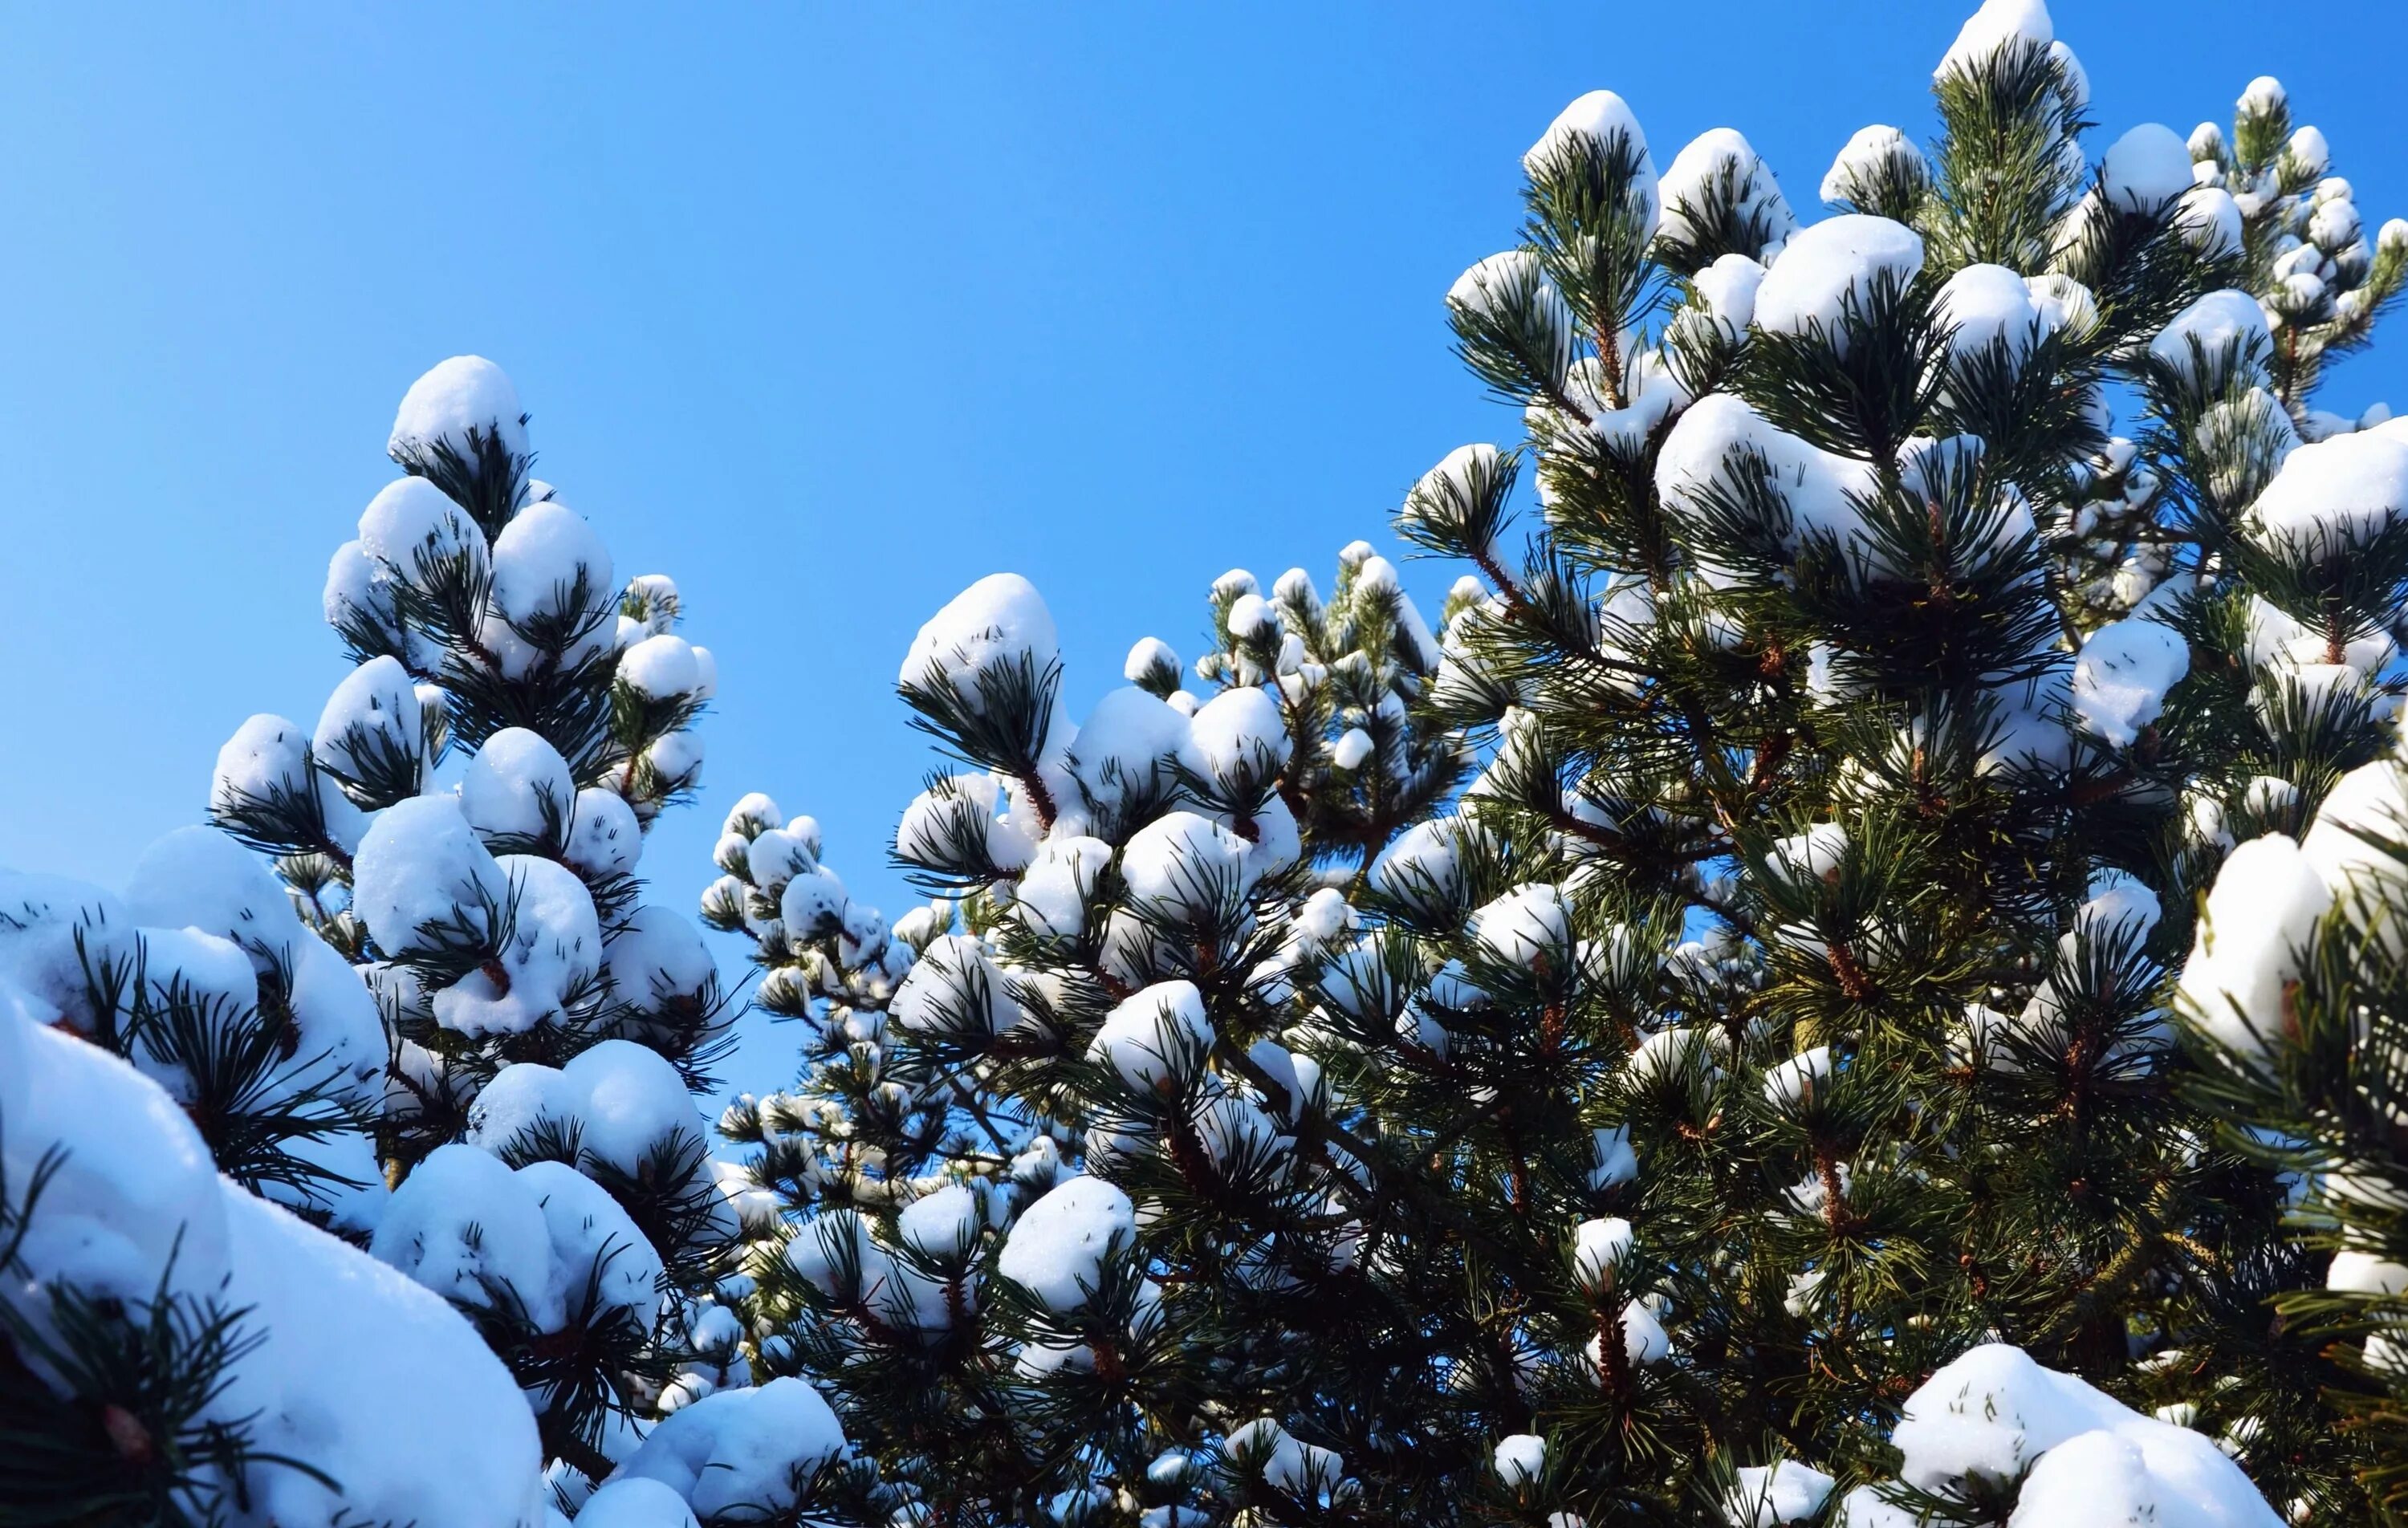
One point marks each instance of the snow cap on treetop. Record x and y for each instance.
(1601, 117)
(1999, 25)
(457, 396)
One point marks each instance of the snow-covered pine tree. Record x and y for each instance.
(1859, 652)
(951, 1063)
(1755, 1095)
(454, 1033)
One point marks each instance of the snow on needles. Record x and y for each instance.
(137, 1189)
(1994, 1414)
(1834, 268)
(464, 399)
(1057, 1247)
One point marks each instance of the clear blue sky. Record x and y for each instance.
(826, 310)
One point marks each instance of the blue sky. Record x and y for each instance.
(825, 312)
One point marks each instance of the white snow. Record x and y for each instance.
(590, 1232)
(624, 1099)
(660, 667)
(1983, 303)
(537, 562)
(1860, 161)
(1058, 1244)
(464, 393)
(1600, 117)
(420, 865)
(1148, 654)
(411, 523)
(1729, 286)
(1698, 174)
(2334, 493)
(2064, 304)
(604, 838)
(812, 905)
(2260, 97)
(1831, 266)
(517, 785)
(959, 806)
(2146, 168)
(635, 1504)
(1864, 1507)
(2365, 810)
(1353, 749)
(1774, 1494)
(198, 878)
(953, 980)
(1182, 864)
(2215, 321)
(550, 957)
(1128, 752)
(1052, 895)
(1994, 1413)
(1242, 738)
(1526, 925)
(2121, 677)
(997, 622)
(1816, 854)
(353, 583)
(738, 1454)
(940, 1224)
(1251, 616)
(1521, 1459)
(1715, 438)
(1599, 1247)
(1616, 1163)
(267, 758)
(466, 1226)
(1999, 25)
(373, 711)
(338, 1019)
(657, 957)
(2309, 151)
(1302, 1469)
(2210, 220)
(777, 855)
(1792, 1086)
(1155, 1037)
(1451, 492)
(2260, 914)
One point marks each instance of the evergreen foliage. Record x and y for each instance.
(1904, 637)
(1853, 978)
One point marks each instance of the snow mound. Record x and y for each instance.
(466, 393)
(1058, 1243)
(1994, 1414)
(1833, 267)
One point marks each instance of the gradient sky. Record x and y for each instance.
(825, 312)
